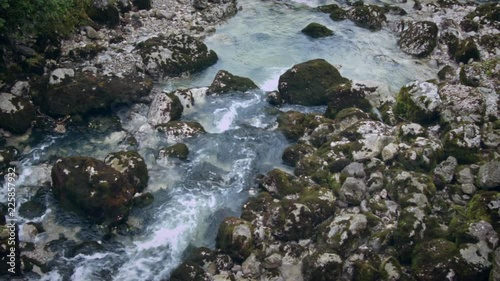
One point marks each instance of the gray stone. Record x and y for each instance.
(92, 33)
(446, 169)
(465, 176)
(163, 109)
(200, 4)
(489, 175)
(468, 188)
(495, 272)
(355, 169)
(20, 88)
(58, 75)
(251, 267)
(352, 191)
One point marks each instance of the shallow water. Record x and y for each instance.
(193, 197)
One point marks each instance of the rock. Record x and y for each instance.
(175, 55)
(463, 143)
(131, 165)
(353, 191)
(274, 98)
(343, 232)
(445, 170)
(16, 113)
(367, 16)
(142, 4)
(446, 73)
(190, 98)
(104, 14)
(389, 152)
(59, 75)
(92, 33)
(87, 92)
(345, 96)
(483, 74)
(306, 83)
(280, 184)
(189, 271)
(251, 267)
(92, 188)
(355, 170)
(418, 102)
(495, 271)
(488, 176)
(292, 154)
(290, 123)
(225, 82)
(32, 209)
(485, 15)
(323, 266)
(434, 260)
(20, 88)
(473, 261)
(143, 200)
(164, 108)
(178, 150)
(177, 130)
(200, 4)
(467, 51)
(316, 30)
(461, 103)
(337, 13)
(235, 238)
(419, 38)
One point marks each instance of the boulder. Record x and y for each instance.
(189, 271)
(463, 143)
(307, 83)
(280, 184)
(225, 82)
(87, 92)
(178, 150)
(292, 154)
(346, 96)
(367, 16)
(461, 103)
(353, 191)
(495, 272)
(16, 113)
(164, 108)
(131, 165)
(419, 38)
(488, 176)
(142, 4)
(434, 260)
(418, 102)
(325, 265)
(344, 233)
(104, 13)
(200, 4)
(92, 189)
(316, 30)
(466, 51)
(444, 171)
(175, 55)
(290, 123)
(190, 98)
(177, 130)
(235, 238)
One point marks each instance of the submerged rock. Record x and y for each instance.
(316, 30)
(307, 83)
(92, 188)
(419, 38)
(367, 16)
(175, 55)
(226, 82)
(178, 150)
(16, 113)
(177, 130)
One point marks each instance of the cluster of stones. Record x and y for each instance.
(409, 193)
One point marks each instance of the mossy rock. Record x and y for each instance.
(189, 271)
(32, 209)
(175, 55)
(88, 52)
(482, 73)
(306, 83)
(180, 129)
(321, 202)
(418, 102)
(91, 188)
(323, 265)
(108, 15)
(16, 113)
(488, 14)
(408, 232)
(316, 30)
(419, 39)
(466, 51)
(485, 205)
(311, 166)
(235, 238)
(281, 184)
(132, 165)
(292, 154)
(364, 271)
(463, 143)
(446, 73)
(225, 82)
(433, 260)
(291, 124)
(343, 233)
(143, 200)
(490, 42)
(343, 97)
(178, 150)
(451, 41)
(87, 93)
(370, 17)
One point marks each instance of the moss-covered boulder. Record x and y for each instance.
(485, 205)
(345, 96)
(495, 271)
(189, 271)
(291, 124)
(488, 176)
(132, 165)
(306, 83)
(16, 113)
(92, 189)
(418, 102)
(370, 17)
(292, 154)
(466, 51)
(320, 200)
(463, 143)
(177, 130)
(316, 30)
(164, 108)
(175, 55)
(483, 74)
(344, 232)
(107, 14)
(178, 150)
(70, 92)
(323, 265)
(487, 14)
(434, 260)
(337, 13)
(280, 184)
(225, 82)
(446, 73)
(235, 238)
(419, 38)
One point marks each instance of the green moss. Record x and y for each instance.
(445, 72)
(364, 271)
(178, 150)
(484, 206)
(281, 184)
(232, 242)
(316, 30)
(225, 82)
(291, 124)
(368, 16)
(344, 96)
(432, 260)
(406, 109)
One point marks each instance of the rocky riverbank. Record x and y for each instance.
(385, 186)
